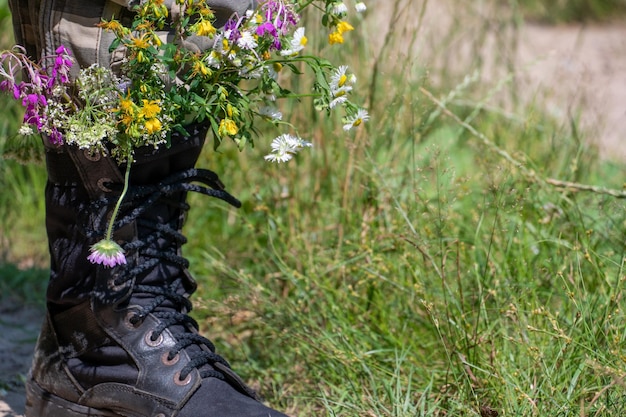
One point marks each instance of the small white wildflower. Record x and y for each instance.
(278, 157)
(26, 130)
(339, 8)
(356, 119)
(337, 101)
(360, 7)
(340, 78)
(214, 60)
(285, 146)
(298, 43)
(271, 113)
(247, 41)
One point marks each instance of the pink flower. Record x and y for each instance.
(108, 253)
(62, 64)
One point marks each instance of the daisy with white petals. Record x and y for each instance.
(285, 147)
(297, 44)
(361, 116)
(247, 41)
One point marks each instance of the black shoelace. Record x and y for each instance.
(139, 199)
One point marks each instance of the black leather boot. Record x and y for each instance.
(118, 341)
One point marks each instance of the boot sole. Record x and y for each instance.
(41, 403)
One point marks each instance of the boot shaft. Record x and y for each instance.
(80, 194)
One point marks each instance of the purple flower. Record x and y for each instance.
(232, 29)
(7, 85)
(269, 28)
(108, 253)
(56, 137)
(280, 14)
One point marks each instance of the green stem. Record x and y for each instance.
(109, 233)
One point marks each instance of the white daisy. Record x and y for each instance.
(247, 41)
(337, 101)
(297, 44)
(214, 60)
(285, 146)
(278, 157)
(361, 116)
(340, 78)
(360, 7)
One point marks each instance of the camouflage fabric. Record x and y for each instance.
(41, 26)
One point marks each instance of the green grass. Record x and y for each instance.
(568, 11)
(410, 269)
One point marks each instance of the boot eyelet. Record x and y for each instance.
(182, 382)
(103, 187)
(93, 156)
(128, 320)
(169, 362)
(114, 286)
(153, 343)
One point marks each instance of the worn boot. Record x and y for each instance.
(118, 341)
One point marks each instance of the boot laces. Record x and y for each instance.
(167, 301)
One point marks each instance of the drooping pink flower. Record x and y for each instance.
(108, 253)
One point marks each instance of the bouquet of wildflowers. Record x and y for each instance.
(163, 87)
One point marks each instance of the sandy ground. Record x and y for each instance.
(572, 67)
(581, 69)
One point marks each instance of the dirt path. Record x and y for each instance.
(19, 326)
(581, 67)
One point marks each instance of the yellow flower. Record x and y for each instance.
(153, 125)
(156, 40)
(337, 36)
(115, 27)
(200, 68)
(126, 106)
(343, 27)
(205, 28)
(150, 109)
(127, 120)
(206, 12)
(140, 43)
(227, 128)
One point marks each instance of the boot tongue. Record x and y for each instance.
(149, 168)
